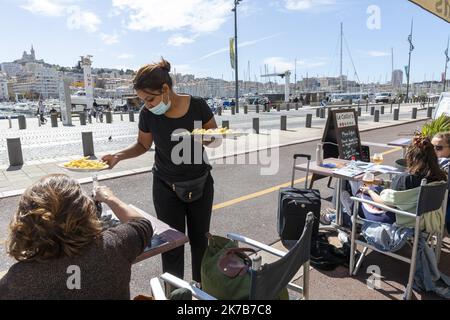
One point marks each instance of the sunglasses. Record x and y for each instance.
(439, 148)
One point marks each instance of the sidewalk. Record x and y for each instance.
(14, 180)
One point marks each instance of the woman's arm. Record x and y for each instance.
(214, 143)
(122, 211)
(375, 196)
(143, 144)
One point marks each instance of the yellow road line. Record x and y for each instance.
(273, 189)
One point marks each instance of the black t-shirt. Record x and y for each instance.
(405, 181)
(187, 167)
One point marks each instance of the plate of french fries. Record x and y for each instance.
(209, 134)
(85, 165)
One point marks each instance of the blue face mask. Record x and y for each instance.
(161, 108)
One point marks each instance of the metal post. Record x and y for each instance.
(219, 111)
(288, 106)
(414, 113)
(257, 108)
(22, 122)
(396, 113)
(83, 119)
(382, 110)
(278, 108)
(108, 116)
(236, 73)
(9, 122)
(88, 143)
(429, 112)
(283, 125)
(391, 106)
(359, 112)
(308, 120)
(372, 111)
(256, 125)
(245, 108)
(296, 106)
(54, 120)
(377, 116)
(322, 113)
(318, 112)
(226, 124)
(233, 111)
(39, 120)
(121, 115)
(14, 151)
(131, 116)
(367, 104)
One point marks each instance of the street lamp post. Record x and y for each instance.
(236, 73)
(447, 59)
(411, 48)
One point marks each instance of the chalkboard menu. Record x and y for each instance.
(342, 133)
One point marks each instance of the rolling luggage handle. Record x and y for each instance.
(307, 156)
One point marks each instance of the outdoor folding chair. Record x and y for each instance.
(267, 280)
(431, 197)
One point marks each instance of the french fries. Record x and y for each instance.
(219, 130)
(84, 163)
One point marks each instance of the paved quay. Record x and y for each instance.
(49, 147)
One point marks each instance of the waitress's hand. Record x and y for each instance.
(111, 160)
(364, 189)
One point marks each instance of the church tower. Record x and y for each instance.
(33, 57)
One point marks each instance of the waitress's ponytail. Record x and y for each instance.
(153, 76)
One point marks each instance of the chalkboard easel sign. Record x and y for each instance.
(342, 132)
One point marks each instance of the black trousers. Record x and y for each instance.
(176, 213)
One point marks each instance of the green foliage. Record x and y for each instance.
(441, 124)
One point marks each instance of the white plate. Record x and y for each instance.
(82, 169)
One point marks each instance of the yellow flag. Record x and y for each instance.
(440, 8)
(232, 55)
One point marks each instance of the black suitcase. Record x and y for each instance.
(293, 206)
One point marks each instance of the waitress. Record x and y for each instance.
(182, 191)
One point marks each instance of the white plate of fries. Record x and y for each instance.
(209, 134)
(85, 165)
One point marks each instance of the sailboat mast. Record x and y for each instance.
(342, 36)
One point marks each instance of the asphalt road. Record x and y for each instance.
(253, 216)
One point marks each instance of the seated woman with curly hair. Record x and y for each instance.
(60, 247)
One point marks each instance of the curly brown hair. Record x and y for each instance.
(422, 160)
(55, 219)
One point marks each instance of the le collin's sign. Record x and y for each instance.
(440, 8)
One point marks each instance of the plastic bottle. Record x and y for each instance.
(353, 162)
(319, 158)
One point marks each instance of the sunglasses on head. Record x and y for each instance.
(439, 148)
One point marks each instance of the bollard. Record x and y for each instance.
(318, 112)
(90, 118)
(14, 151)
(278, 108)
(22, 122)
(372, 111)
(296, 106)
(83, 119)
(9, 121)
(233, 110)
(396, 114)
(283, 124)
(88, 143)
(245, 109)
(131, 116)
(382, 110)
(322, 113)
(108, 116)
(219, 111)
(377, 116)
(226, 124)
(359, 112)
(256, 125)
(121, 116)
(288, 106)
(54, 120)
(257, 108)
(367, 105)
(308, 120)
(39, 120)
(359, 102)
(414, 113)
(429, 112)
(391, 106)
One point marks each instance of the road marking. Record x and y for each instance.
(273, 189)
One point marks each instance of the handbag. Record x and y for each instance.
(191, 190)
(225, 270)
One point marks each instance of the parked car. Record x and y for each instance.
(384, 97)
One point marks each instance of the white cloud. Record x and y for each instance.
(78, 19)
(178, 40)
(310, 64)
(197, 16)
(52, 8)
(125, 56)
(304, 5)
(240, 45)
(109, 38)
(378, 53)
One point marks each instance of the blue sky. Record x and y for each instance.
(194, 34)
